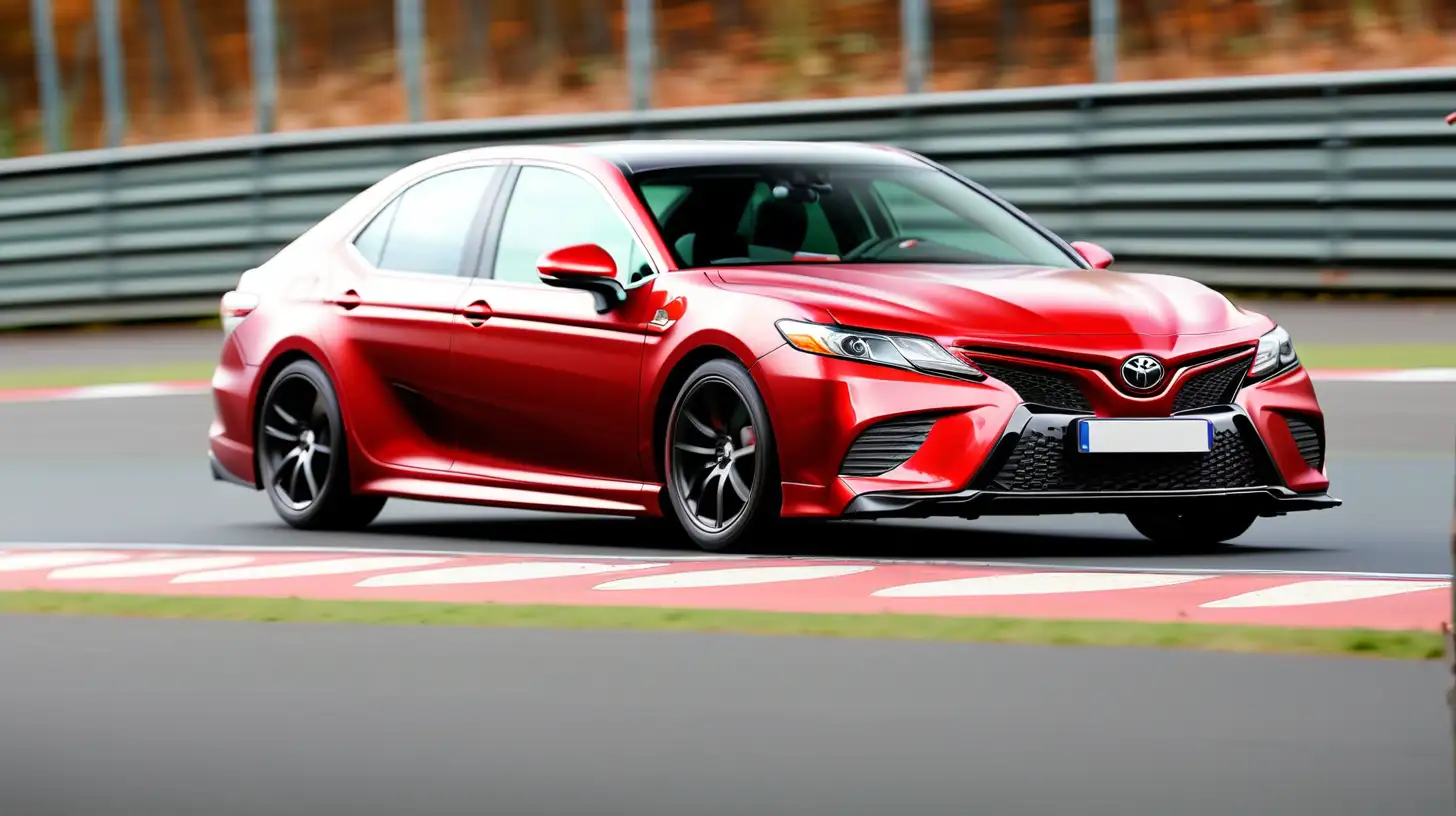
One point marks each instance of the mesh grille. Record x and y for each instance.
(1042, 460)
(1310, 441)
(1039, 386)
(883, 447)
(1213, 387)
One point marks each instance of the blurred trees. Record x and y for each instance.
(188, 73)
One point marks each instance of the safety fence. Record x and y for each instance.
(1319, 181)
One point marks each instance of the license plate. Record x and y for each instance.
(1144, 436)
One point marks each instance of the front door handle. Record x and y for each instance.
(348, 300)
(477, 313)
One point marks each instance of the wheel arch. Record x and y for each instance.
(667, 395)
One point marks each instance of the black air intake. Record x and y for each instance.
(1216, 386)
(1038, 386)
(1310, 438)
(886, 445)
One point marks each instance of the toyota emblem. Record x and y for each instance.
(1143, 372)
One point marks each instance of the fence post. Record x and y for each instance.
(409, 33)
(915, 39)
(1104, 39)
(43, 29)
(113, 81)
(641, 50)
(263, 39)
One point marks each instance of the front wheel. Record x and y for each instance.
(303, 454)
(1192, 530)
(722, 475)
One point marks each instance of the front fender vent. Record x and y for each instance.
(884, 446)
(1310, 439)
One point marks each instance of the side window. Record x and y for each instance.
(917, 215)
(370, 242)
(551, 209)
(427, 227)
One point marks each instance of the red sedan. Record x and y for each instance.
(727, 334)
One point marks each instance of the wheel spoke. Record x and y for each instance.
(683, 446)
(307, 464)
(721, 483)
(324, 449)
(738, 485)
(278, 433)
(742, 452)
(287, 417)
(288, 457)
(293, 480)
(697, 423)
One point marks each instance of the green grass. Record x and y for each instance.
(1268, 639)
(1395, 355)
(71, 377)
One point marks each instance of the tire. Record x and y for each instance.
(303, 454)
(708, 441)
(1192, 530)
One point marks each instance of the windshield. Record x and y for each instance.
(742, 215)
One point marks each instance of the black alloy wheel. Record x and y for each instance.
(722, 475)
(1192, 530)
(303, 455)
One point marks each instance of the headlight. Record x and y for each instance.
(896, 350)
(1276, 353)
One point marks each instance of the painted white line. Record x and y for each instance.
(739, 576)
(608, 556)
(153, 566)
(1036, 583)
(303, 569)
(22, 562)
(1307, 593)
(497, 573)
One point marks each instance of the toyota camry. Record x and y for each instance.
(725, 334)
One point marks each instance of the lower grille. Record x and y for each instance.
(885, 446)
(1216, 386)
(1309, 439)
(1042, 460)
(1039, 386)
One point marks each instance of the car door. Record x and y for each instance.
(549, 384)
(396, 289)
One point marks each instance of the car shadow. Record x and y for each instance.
(837, 539)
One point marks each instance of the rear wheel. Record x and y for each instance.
(722, 476)
(1192, 530)
(303, 454)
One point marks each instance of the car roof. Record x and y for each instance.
(647, 155)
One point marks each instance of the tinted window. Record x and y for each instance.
(551, 209)
(764, 214)
(370, 242)
(429, 224)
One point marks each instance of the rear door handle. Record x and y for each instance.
(347, 300)
(477, 313)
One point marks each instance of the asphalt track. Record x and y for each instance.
(179, 717)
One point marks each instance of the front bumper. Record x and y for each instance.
(1263, 501)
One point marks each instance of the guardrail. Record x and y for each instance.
(1314, 181)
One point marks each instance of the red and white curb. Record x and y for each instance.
(190, 388)
(767, 584)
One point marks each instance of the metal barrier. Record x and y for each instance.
(1315, 181)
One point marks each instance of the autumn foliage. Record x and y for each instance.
(188, 70)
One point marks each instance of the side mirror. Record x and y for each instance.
(1095, 255)
(587, 267)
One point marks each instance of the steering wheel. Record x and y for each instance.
(875, 246)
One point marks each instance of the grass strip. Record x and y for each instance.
(1410, 645)
(200, 371)
(1364, 355)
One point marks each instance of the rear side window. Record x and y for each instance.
(427, 227)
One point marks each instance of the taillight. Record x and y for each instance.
(236, 306)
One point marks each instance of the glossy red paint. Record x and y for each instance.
(470, 389)
(1095, 255)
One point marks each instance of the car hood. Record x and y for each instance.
(982, 301)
